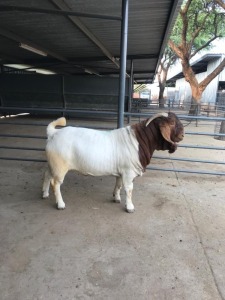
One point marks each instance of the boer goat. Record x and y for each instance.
(123, 153)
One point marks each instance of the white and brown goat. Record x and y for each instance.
(123, 153)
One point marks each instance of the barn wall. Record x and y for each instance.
(30, 90)
(55, 91)
(211, 90)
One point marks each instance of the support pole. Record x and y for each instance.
(131, 85)
(123, 61)
(63, 94)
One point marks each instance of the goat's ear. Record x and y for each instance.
(165, 129)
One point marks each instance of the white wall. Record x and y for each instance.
(183, 90)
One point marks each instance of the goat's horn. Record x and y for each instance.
(156, 116)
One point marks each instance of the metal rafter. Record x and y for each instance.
(56, 12)
(102, 58)
(135, 72)
(76, 21)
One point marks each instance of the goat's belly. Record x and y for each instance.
(100, 173)
(95, 171)
(95, 166)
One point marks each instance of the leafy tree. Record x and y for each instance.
(199, 23)
(169, 57)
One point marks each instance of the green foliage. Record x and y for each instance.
(199, 22)
(169, 57)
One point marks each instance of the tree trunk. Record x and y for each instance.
(161, 99)
(162, 83)
(194, 109)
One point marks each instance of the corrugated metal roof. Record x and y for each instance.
(81, 44)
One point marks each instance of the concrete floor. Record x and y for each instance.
(172, 247)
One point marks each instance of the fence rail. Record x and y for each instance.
(216, 119)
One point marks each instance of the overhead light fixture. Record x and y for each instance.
(34, 50)
(88, 71)
(29, 68)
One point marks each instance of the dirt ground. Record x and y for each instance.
(172, 247)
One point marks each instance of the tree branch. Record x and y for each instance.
(220, 3)
(198, 29)
(203, 46)
(184, 10)
(175, 48)
(184, 27)
(203, 84)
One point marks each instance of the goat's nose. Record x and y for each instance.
(181, 136)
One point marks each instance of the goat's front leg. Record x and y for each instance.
(117, 189)
(128, 186)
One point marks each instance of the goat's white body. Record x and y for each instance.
(92, 152)
(95, 152)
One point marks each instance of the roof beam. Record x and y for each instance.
(142, 56)
(57, 12)
(144, 80)
(150, 72)
(76, 21)
(104, 58)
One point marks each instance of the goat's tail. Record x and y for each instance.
(51, 127)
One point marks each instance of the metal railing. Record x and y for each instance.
(183, 117)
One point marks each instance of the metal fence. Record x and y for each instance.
(216, 118)
(28, 139)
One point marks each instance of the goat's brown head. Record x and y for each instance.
(171, 128)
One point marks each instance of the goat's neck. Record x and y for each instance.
(149, 139)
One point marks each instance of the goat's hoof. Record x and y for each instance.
(61, 206)
(117, 200)
(44, 196)
(130, 209)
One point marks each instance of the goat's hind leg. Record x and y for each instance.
(58, 170)
(58, 197)
(116, 192)
(48, 179)
(46, 183)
